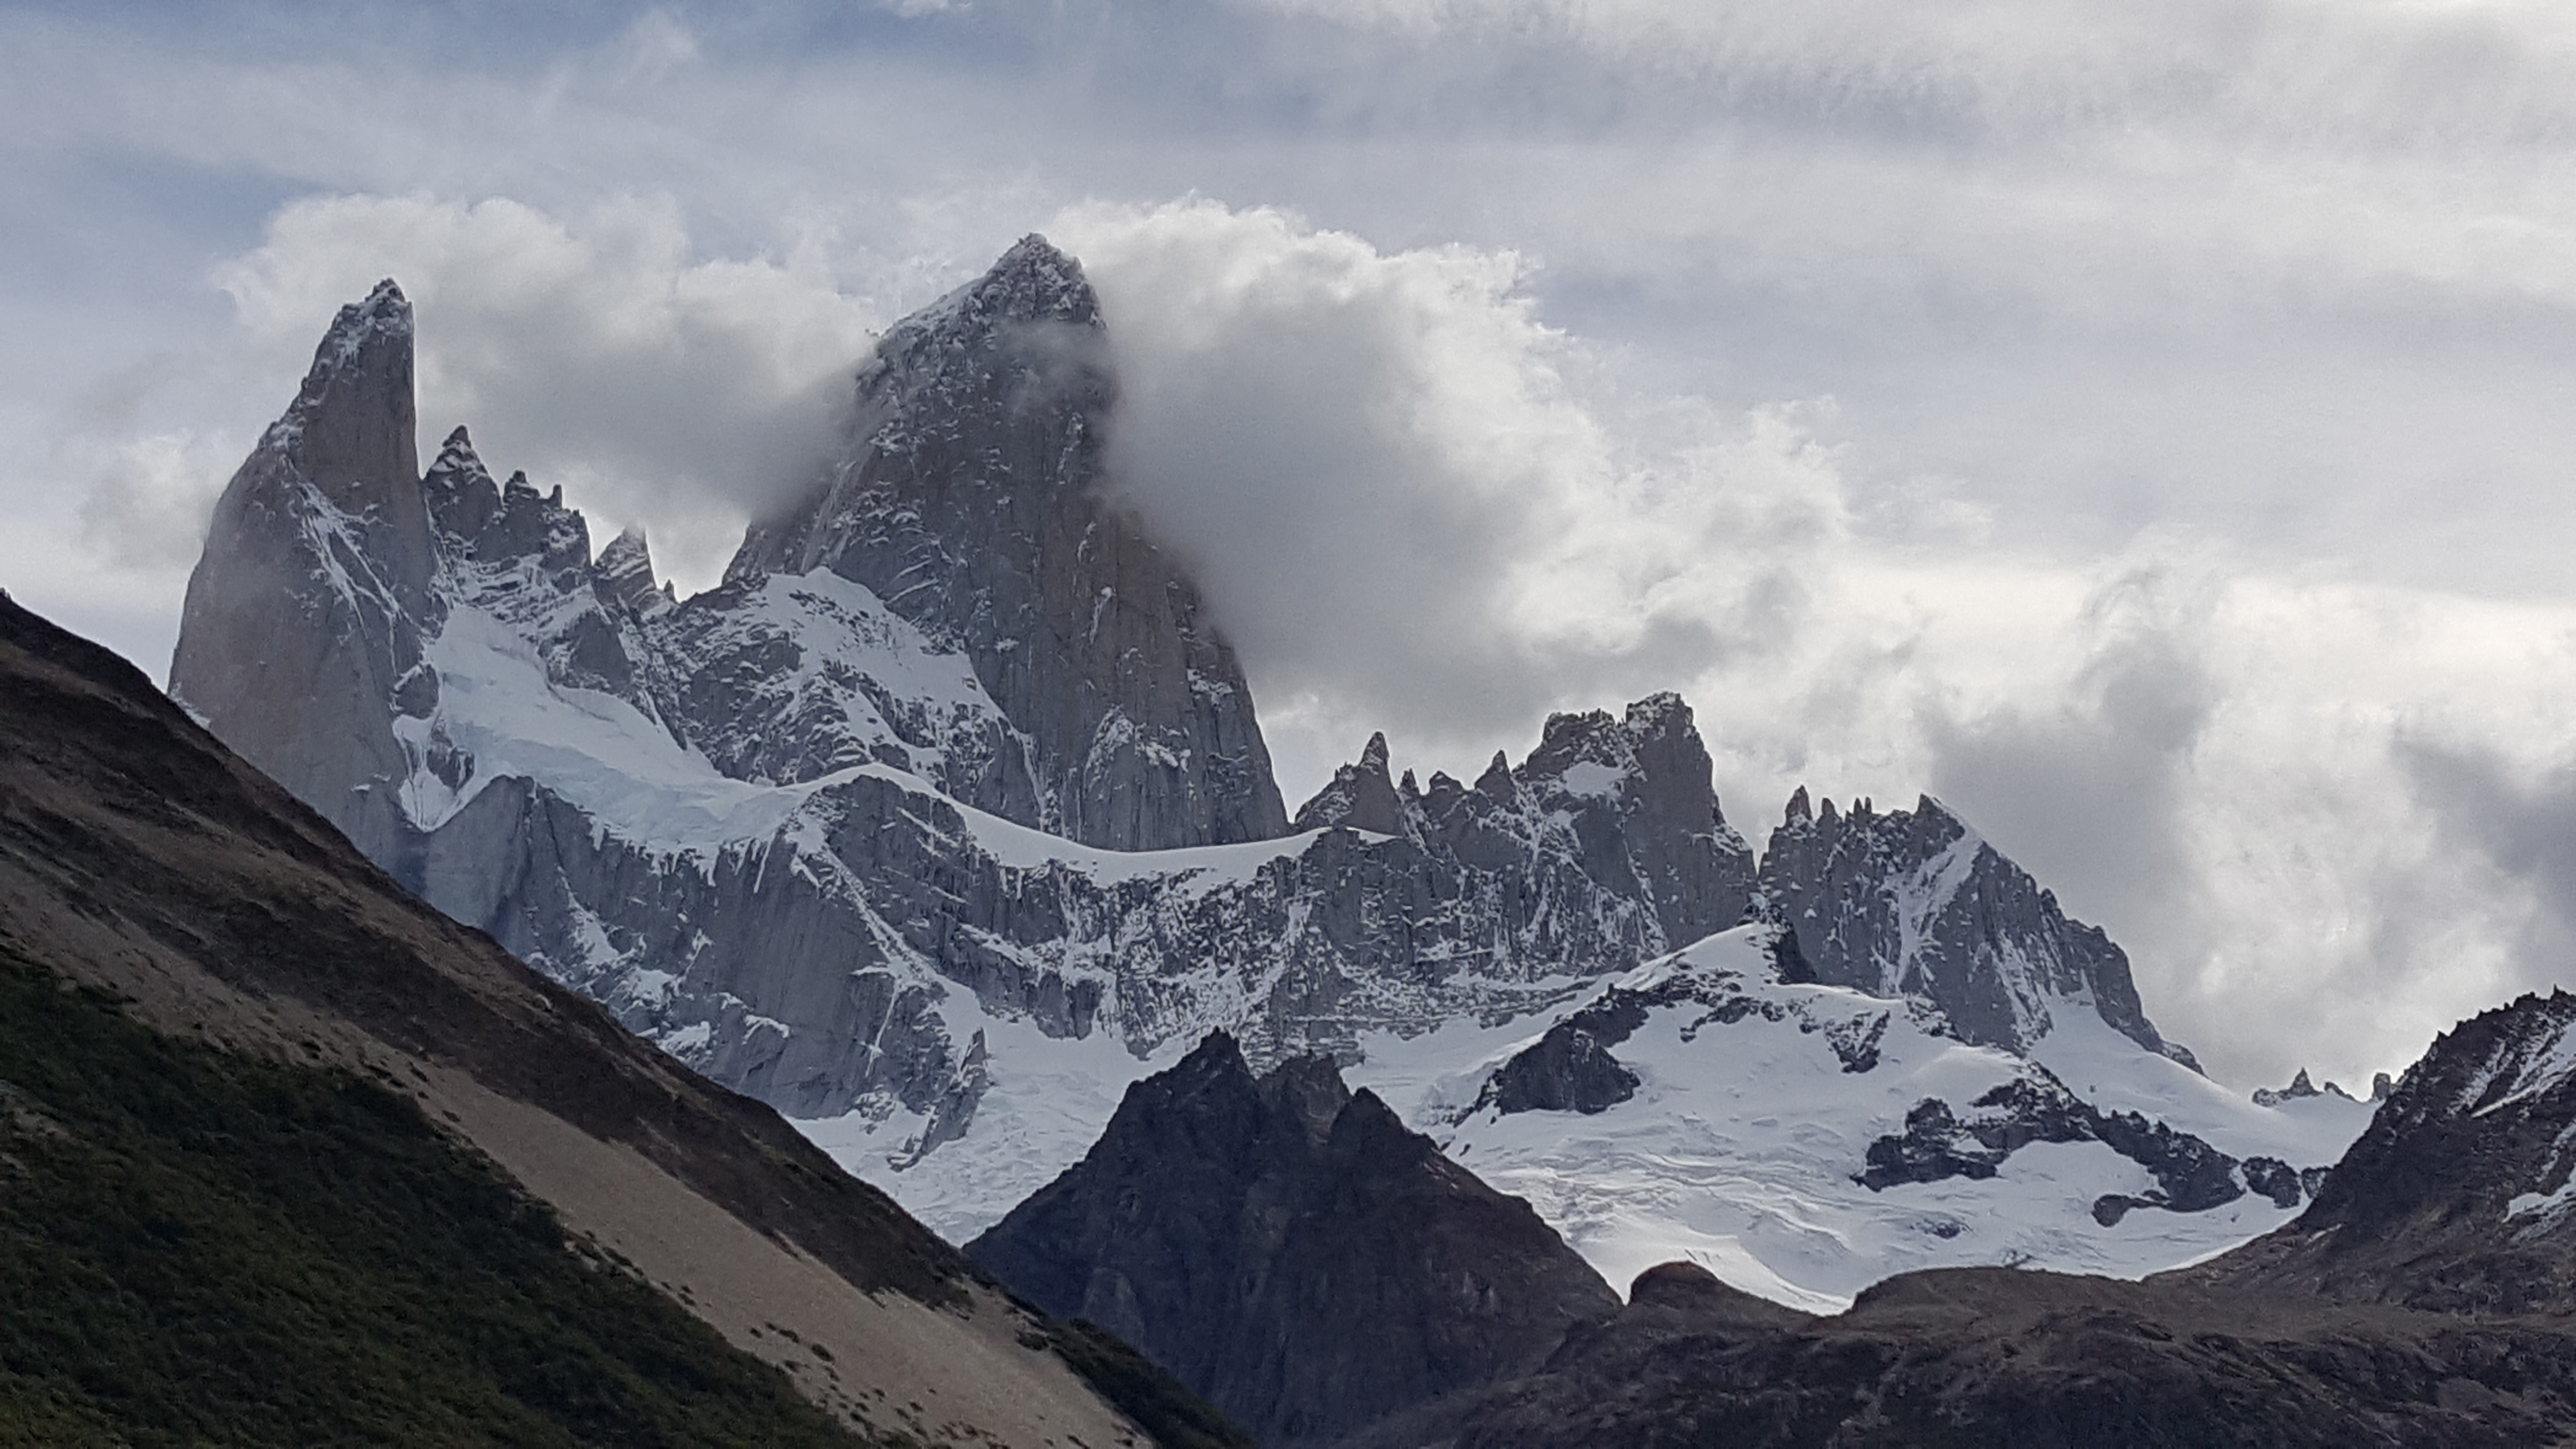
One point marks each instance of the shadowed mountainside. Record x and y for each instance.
(139, 857)
(1292, 1251)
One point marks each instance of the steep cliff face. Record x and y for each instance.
(1913, 903)
(1292, 1251)
(970, 500)
(308, 609)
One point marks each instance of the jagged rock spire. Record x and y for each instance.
(1361, 796)
(306, 610)
(971, 497)
(1914, 903)
(625, 573)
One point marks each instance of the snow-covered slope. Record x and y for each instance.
(849, 833)
(1761, 1112)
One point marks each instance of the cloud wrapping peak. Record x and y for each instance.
(1399, 502)
(602, 353)
(2144, 427)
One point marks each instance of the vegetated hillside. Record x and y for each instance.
(205, 1247)
(140, 857)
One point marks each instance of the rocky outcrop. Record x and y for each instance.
(307, 612)
(1913, 903)
(970, 499)
(2190, 1175)
(1292, 1251)
(2460, 1197)
(1624, 806)
(2300, 1089)
(1569, 1069)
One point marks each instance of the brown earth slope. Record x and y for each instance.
(140, 856)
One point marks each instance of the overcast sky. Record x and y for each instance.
(2145, 427)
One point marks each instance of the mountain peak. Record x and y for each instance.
(1360, 796)
(384, 311)
(971, 496)
(1916, 903)
(457, 463)
(351, 422)
(1221, 1222)
(1373, 757)
(1032, 282)
(624, 572)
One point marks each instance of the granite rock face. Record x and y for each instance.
(1618, 811)
(1913, 903)
(308, 611)
(970, 499)
(1292, 1251)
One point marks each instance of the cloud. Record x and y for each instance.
(2090, 777)
(1404, 510)
(2517, 819)
(603, 353)
(2145, 430)
(149, 497)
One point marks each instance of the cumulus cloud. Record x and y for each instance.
(2090, 775)
(1404, 510)
(149, 497)
(2144, 430)
(602, 352)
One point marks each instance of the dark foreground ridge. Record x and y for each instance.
(2428, 1297)
(249, 1147)
(1329, 1278)
(204, 1246)
(1293, 1251)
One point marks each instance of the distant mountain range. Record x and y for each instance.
(944, 826)
(947, 815)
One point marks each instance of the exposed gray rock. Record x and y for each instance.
(970, 499)
(306, 612)
(2301, 1088)
(1361, 796)
(1294, 1253)
(1569, 1069)
(955, 626)
(1914, 904)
